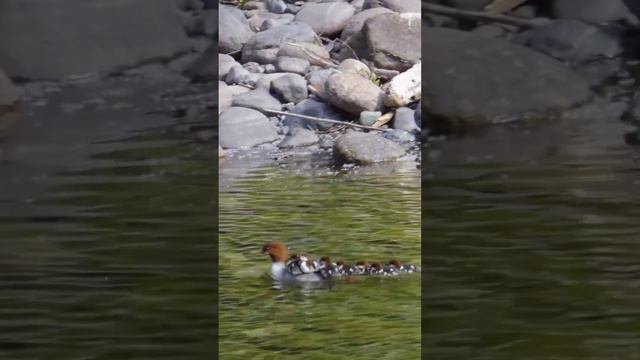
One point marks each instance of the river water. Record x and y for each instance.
(107, 228)
(367, 213)
(533, 243)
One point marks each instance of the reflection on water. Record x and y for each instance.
(106, 233)
(371, 213)
(533, 246)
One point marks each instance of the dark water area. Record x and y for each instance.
(533, 240)
(107, 226)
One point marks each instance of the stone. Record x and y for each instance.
(241, 127)
(253, 67)
(315, 54)
(326, 19)
(225, 96)
(225, 62)
(356, 67)
(394, 40)
(399, 136)
(236, 75)
(276, 6)
(299, 137)
(263, 46)
(400, 6)
(234, 30)
(317, 79)
(290, 88)
(353, 36)
(368, 118)
(86, 36)
(292, 65)
(473, 81)
(404, 119)
(353, 94)
(366, 148)
(257, 99)
(314, 108)
(405, 87)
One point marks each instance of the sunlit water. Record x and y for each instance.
(534, 244)
(370, 213)
(107, 230)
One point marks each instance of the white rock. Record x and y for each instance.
(405, 88)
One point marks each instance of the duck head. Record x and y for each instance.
(276, 250)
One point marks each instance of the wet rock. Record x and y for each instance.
(326, 19)
(276, 6)
(395, 5)
(292, 65)
(353, 36)
(117, 36)
(290, 88)
(572, 41)
(593, 11)
(404, 119)
(236, 75)
(404, 88)
(368, 118)
(475, 80)
(263, 46)
(315, 108)
(257, 99)
(234, 30)
(241, 127)
(394, 40)
(317, 79)
(366, 148)
(353, 93)
(356, 67)
(8, 94)
(299, 137)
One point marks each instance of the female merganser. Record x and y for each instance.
(408, 268)
(297, 268)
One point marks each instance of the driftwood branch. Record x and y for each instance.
(483, 16)
(314, 118)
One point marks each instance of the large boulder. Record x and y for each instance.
(263, 46)
(8, 94)
(353, 93)
(353, 37)
(55, 39)
(327, 19)
(394, 40)
(234, 30)
(472, 80)
(366, 148)
(242, 127)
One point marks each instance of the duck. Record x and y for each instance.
(294, 268)
(397, 265)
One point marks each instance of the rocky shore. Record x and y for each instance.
(285, 67)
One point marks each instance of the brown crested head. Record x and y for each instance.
(276, 250)
(362, 263)
(376, 265)
(325, 259)
(395, 263)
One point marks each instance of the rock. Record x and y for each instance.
(317, 79)
(356, 67)
(242, 127)
(404, 119)
(394, 40)
(265, 20)
(315, 54)
(404, 88)
(366, 148)
(368, 118)
(473, 80)
(299, 137)
(263, 46)
(593, 11)
(257, 99)
(86, 36)
(399, 136)
(292, 65)
(234, 30)
(573, 41)
(264, 80)
(236, 75)
(225, 63)
(326, 19)
(401, 6)
(276, 6)
(353, 36)
(225, 96)
(353, 94)
(253, 68)
(315, 108)
(290, 88)
(8, 94)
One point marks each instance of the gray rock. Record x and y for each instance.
(593, 11)
(225, 96)
(317, 79)
(395, 5)
(394, 40)
(263, 46)
(290, 88)
(353, 36)
(236, 75)
(257, 99)
(234, 30)
(315, 54)
(399, 136)
(253, 67)
(299, 137)
(315, 108)
(353, 94)
(269, 68)
(356, 67)
(265, 20)
(81, 36)
(264, 80)
(8, 94)
(572, 40)
(276, 6)
(366, 148)
(225, 62)
(404, 119)
(368, 118)
(292, 65)
(473, 80)
(241, 127)
(326, 19)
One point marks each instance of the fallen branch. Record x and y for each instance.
(314, 118)
(383, 120)
(483, 16)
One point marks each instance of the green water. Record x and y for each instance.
(534, 244)
(351, 215)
